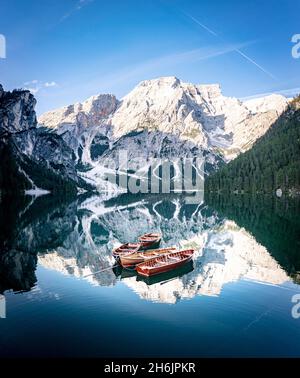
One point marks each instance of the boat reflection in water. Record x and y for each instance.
(168, 276)
(77, 237)
(238, 287)
(124, 273)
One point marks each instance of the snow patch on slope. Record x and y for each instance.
(198, 113)
(164, 109)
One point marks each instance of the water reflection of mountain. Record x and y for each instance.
(76, 236)
(224, 254)
(274, 222)
(27, 228)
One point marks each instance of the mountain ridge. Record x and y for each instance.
(271, 165)
(31, 159)
(169, 112)
(159, 119)
(199, 113)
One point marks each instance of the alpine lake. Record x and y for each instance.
(62, 294)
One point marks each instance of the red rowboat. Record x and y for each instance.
(164, 263)
(167, 276)
(125, 249)
(150, 240)
(138, 257)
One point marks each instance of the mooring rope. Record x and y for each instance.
(108, 268)
(100, 271)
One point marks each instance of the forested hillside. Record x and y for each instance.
(272, 163)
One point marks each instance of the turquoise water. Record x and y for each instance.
(234, 300)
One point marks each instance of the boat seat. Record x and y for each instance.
(158, 263)
(174, 258)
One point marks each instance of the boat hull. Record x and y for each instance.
(150, 244)
(146, 270)
(150, 241)
(126, 249)
(167, 276)
(138, 258)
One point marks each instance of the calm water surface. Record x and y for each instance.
(235, 299)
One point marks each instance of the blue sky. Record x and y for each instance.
(68, 50)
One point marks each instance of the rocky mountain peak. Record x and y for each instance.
(101, 105)
(268, 103)
(199, 113)
(31, 158)
(17, 111)
(91, 112)
(161, 109)
(171, 81)
(209, 90)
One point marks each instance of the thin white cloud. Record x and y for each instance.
(202, 25)
(78, 6)
(34, 86)
(256, 64)
(146, 68)
(209, 30)
(50, 84)
(83, 3)
(32, 90)
(31, 82)
(291, 92)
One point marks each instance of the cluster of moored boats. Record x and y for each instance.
(148, 259)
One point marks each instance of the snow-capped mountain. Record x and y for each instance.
(160, 119)
(84, 126)
(199, 113)
(90, 113)
(196, 113)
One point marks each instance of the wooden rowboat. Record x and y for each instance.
(150, 240)
(164, 263)
(125, 249)
(135, 258)
(167, 276)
